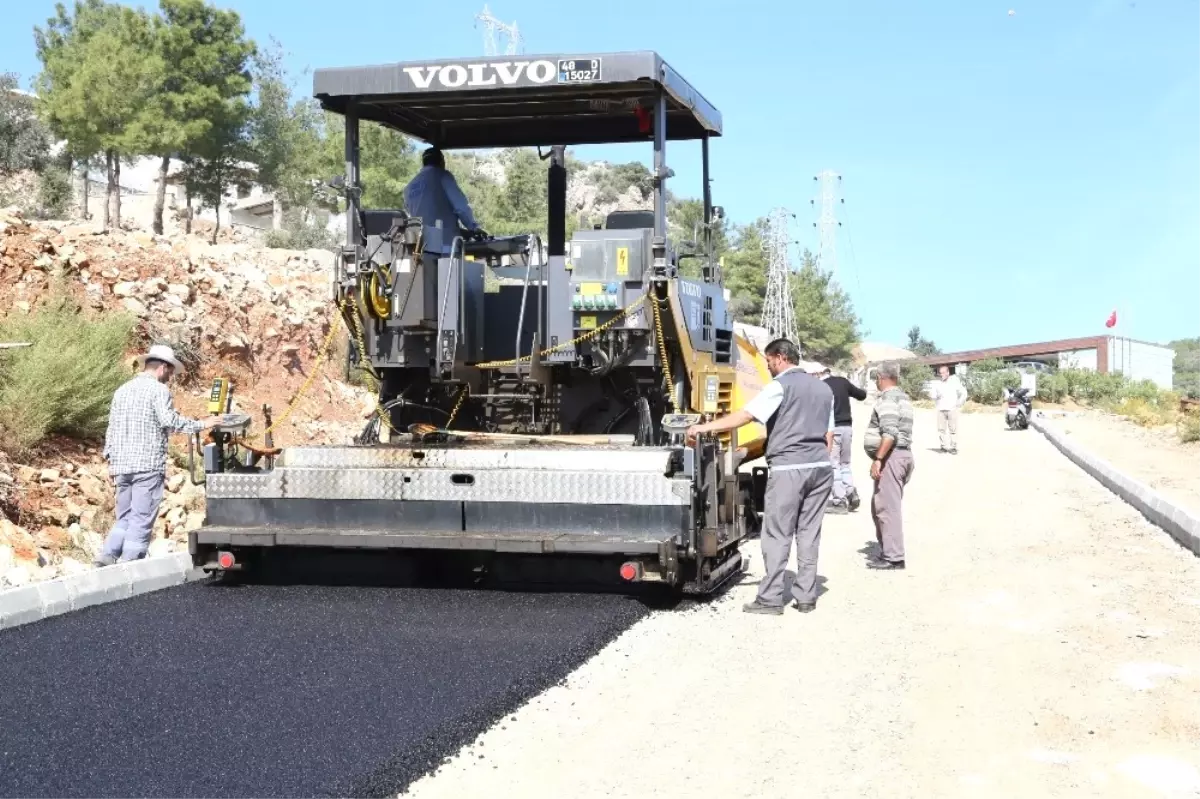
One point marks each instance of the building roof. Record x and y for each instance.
(877, 352)
(1017, 350)
(520, 101)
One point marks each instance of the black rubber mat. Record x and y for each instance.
(275, 690)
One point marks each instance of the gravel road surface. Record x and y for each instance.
(277, 691)
(1044, 641)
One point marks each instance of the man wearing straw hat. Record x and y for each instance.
(141, 418)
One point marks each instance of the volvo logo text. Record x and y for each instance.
(496, 73)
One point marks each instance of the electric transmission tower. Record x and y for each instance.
(830, 185)
(779, 316)
(491, 25)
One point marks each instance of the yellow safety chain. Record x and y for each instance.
(335, 326)
(662, 353)
(462, 395)
(624, 312)
(384, 416)
(322, 354)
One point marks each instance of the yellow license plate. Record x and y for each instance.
(587, 323)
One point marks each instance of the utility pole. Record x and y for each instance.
(492, 25)
(830, 185)
(779, 316)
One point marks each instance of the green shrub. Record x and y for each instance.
(1051, 388)
(913, 377)
(987, 386)
(302, 230)
(64, 381)
(1188, 427)
(54, 193)
(1084, 385)
(988, 365)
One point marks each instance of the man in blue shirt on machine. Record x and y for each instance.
(433, 195)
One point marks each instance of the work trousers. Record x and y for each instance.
(843, 478)
(138, 498)
(794, 507)
(886, 503)
(948, 428)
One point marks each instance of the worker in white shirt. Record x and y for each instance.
(949, 395)
(434, 196)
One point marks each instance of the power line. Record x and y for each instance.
(829, 183)
(779, 315)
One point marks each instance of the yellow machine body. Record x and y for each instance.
(719, 389)
(752, 375)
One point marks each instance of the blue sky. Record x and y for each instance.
(1006, 178)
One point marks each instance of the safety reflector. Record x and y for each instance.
(225, 560)
(629, 571)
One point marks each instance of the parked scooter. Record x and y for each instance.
(1019, 409)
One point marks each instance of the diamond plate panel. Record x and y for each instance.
(575, 487)
(617, 459)
(244, 486)
(343, 483)
(497, 485)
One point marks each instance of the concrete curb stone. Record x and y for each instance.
(1161, 511)
(38, 601)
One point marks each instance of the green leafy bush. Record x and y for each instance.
(1052, 387)
(913, 377)
(54, 193)
(62, 383)
(302, 231)
(989, 365)
(987, 386)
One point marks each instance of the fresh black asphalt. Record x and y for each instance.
(269, 690)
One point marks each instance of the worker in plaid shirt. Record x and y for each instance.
(140, 420)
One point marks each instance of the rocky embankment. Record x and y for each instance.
(63, 513)
(258, 316)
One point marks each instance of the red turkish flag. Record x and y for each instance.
(1112, 319)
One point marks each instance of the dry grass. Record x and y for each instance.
(1162, 410)
(63, 383)
(1188, 427)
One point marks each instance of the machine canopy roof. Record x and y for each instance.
(521, 101)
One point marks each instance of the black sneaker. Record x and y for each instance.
(886, 565)
(805, 607)
(758, 607)
(853, 501)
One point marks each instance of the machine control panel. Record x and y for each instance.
(597, 296)
(679, 422)
(234, 422)
(712, 389)
(219, 396)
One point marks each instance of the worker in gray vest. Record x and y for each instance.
(797, 410)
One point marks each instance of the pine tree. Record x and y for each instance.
(100, 69)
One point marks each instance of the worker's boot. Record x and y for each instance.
(853, 500)
(759, 607)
